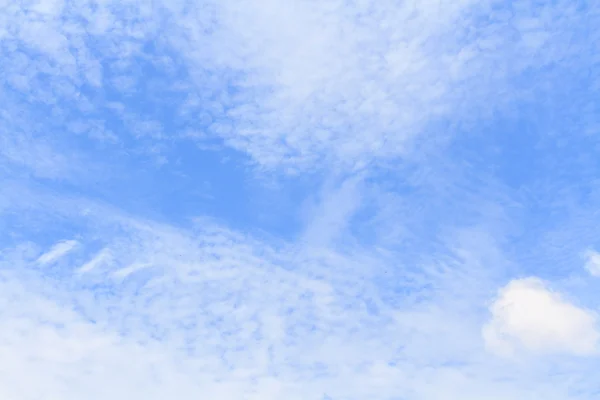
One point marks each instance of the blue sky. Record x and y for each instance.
(251, 199)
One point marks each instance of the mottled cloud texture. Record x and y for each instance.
(252, 199)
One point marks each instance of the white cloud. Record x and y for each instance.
(592, 262)
(17, 147)
(130, 269)
(57, 251)
(315, 81)
(100, 259)
(345, 83)
(349, 83)
(528, 316)
(224, 314)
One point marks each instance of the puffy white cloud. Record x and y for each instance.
(528, 316)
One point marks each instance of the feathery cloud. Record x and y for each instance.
(57, 251)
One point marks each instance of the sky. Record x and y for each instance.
(299, 199)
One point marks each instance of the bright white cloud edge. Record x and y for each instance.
(529, 317)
